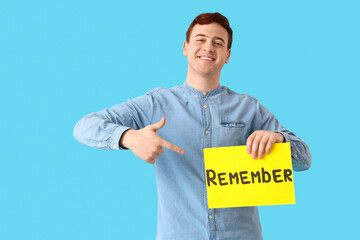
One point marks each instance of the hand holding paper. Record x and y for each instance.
(234, 179)
(260, 139)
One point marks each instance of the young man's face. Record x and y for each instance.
(207, 49)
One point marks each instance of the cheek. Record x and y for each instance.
(195, 48)
(225, 56)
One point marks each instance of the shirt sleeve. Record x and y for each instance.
(300, 152)
(104, 129)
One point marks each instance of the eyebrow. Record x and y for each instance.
(203, 35)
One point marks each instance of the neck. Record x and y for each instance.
(203, 83)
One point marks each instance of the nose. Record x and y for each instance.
(208, 46)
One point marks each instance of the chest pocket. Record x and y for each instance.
(234, 133)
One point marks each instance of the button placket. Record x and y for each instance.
(207, 144)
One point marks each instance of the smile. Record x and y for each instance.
(206, 58)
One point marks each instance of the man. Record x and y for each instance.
(199, 114)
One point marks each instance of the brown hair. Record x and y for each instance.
(207, 18)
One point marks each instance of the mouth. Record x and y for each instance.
(206, 58)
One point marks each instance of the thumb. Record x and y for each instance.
(159, 124)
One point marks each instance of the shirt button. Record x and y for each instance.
(114, 146)
(206, 132)
(205, 106)
(204, 93)
(99, 143)
(210, 216)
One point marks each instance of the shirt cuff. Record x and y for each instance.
(116, 136)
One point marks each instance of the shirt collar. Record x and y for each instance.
(200, 93)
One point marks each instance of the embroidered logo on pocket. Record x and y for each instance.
(233, 124)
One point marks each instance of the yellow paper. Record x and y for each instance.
(232, 177)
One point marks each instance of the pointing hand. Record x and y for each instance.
(146, 144)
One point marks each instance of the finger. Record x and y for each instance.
(154, 154)
(159, 124)
(171, 146)
(269, 145)
(255, 146)
(262, 146)
(249, 142)
(151, 161)
(161, 151)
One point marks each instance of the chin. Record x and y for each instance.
(209, 72)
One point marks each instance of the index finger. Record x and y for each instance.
(171, 146)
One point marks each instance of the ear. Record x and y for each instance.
(228, 56)
(185, 45)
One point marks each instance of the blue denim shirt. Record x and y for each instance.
(194, 120)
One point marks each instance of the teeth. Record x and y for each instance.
(206, 58)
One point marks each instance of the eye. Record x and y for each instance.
(219, 44)
(199, 40)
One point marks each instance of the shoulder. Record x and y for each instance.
(161, 91)
(239, 96)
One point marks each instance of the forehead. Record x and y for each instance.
(211, 30)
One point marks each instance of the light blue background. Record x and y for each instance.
(60, 60)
